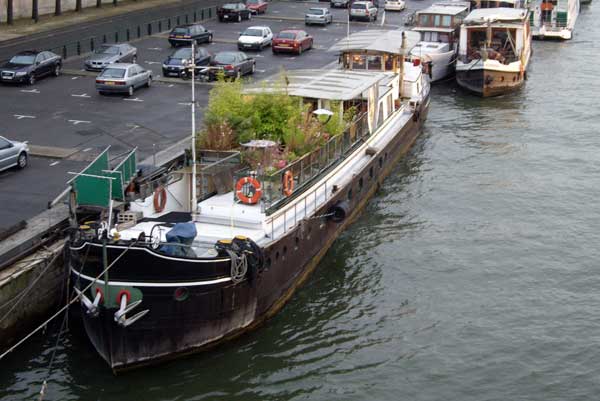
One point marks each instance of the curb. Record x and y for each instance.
(51, 151)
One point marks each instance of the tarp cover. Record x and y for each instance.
(181, 233)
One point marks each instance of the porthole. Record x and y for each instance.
(277, 255)
(181, 294)
(284, 250)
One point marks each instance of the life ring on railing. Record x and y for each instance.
(251, 196)
(288, 183)
(160, 199)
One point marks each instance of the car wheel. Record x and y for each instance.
(149, 82)
(57, 70)
(134, 59)
(238, 75)
(249, 16)
(375, 17)
(31, 80)
(22, 160)
(253, 68)
(209, 38)
(300, 49)
(311, 45)
(239, 17)
(130, 91)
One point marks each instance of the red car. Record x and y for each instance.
(257, 6)
(292, 40)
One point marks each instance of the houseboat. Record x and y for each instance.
(168, 260)
(499, 4)
(494, 52)
(554, 19)
(439, 27)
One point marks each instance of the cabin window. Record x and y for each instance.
(389, 63)
(360, 184)
(371, 172)
(380, 114)
(359, 62)
(444, 38)
(424, 20)
(437, 20)
(374, 62)
(446, 20)
(350, 194)
(430, 36)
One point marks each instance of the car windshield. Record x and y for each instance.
(286, 35)
(315, 11)
(359, 6)
(108, 50)
(225, 58)
(113, 73)
(183, 53)
(180, 31)
(230, 6)
(252, 2)
(253, 32)
(25, 59)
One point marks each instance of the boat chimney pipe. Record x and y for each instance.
(401, 60)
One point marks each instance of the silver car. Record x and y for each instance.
(318, 15)
(109, 54)
(122, 78)
(13, 154)
(363, 10)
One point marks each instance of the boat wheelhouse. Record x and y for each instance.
(554, 19)
(439, 26)
(499, 4)
(494, 52)
(162, 275)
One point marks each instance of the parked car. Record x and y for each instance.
(255, 37)
(13, 154)
(109, 54)
(232, 64)
(257, 6)
(28, 66)
(339, 3)
(394, 5)
(363, 10)
(123, 78)
(182, 35)
(177, 63)
(292, 40)
(318, 15)
(233, 12)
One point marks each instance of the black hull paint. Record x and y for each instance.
(214, 313)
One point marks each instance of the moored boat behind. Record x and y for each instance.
(495, 50)
(554, 19)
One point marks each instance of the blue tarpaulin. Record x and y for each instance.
(180, 234)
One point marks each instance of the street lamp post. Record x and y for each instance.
(194, 183)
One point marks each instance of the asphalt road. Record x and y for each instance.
(66, 112)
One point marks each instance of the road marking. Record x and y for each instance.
(155, 48)
(258, 55)
(75, 122)
(277, 12)
(291, 58)
(30, 91)
(170, 86)
(86, 149)
(54, 163)
(260, 71)
(75, 78)
(185, 104)
(133, 100)
(152, 62)
(21, 116)
(82, 95)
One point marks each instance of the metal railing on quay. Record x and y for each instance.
(133, 32)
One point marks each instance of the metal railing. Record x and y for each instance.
(134, 31)
(310, 166)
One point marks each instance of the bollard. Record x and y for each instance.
(78, 48)
(178, 21)
(104, 38)
(64, 52)
(202, 14)
(149, 29)
(186, 19)
(169, 24)
(195, 19)
(139, 32)
(127, 34)
(117, 37)
(159, 26)
(92, 44)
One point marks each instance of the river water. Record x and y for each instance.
(472, 275)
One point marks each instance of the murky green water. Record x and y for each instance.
(472, 275)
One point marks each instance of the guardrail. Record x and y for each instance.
(134, 31)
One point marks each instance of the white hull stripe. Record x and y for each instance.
(156, 254)
(138, 284)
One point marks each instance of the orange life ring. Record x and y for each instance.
(288, 183)
(160, 199)
(254, 195)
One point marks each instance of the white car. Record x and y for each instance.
(395, 5)
(363, 10)
(255, 37)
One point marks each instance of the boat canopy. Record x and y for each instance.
(321, 84)
(444, 9)
(378, 41)
(482, 16)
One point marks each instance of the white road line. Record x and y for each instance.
(170, 86)
(260, 71)
(21, 116)
(133, 100)
(75, 78)
(30, 91)
(152, 62)
(86, 149)
(54, 163)
(155, 48)
(185, 104)
(258, 55)
(291, 58)
(82, 95)
(76, 122)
